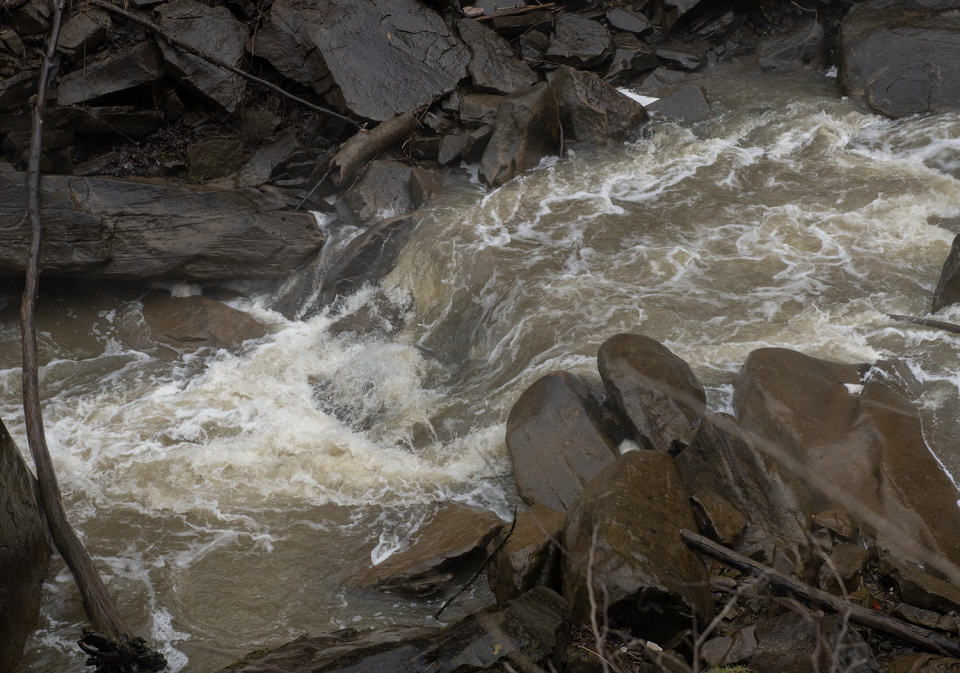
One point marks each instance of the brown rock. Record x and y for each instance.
(527, 130)
(716, 518)
(926, 618)
(478, 110)
(838, 522)
(592, 111)
(579, 42)
(190, 323)
(732, 649)
(948, 286)
(845, 565)
(494, 67)
(796, 643)
(529, 558)
(258, 125)
(918, 588)
(555, 441)
(924, 663)
(214, 158)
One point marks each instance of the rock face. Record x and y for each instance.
(494, 67)
(528, 558)
(417, 57)
(103, 228)
(803, 49)
(425, 570)
(527, 130)
(198, 322)
(948, 287)
(655, 390)
(215, 31)
(902, 56)
(122, 71)
(636, 508)
(555, 441)
(23, 554)
(593, 112)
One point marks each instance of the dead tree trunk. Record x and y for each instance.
(116, 643)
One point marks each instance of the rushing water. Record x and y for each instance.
(227, 497)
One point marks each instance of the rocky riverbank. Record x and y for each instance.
(225, 169)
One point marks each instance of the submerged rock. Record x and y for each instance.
(527, 130)
(689, 104)
(593, 112)
(190, 323)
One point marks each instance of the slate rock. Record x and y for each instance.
(124, 70)
(846, 565)
(901, 56)
(476, 145)
(451, 148)
(478, 110)
(716, 518)
(258, 125)
(838, 522)
(593, 112)
(660, 78)
(528, 558)
(287, 41)
(947, 292)
(33, 17)
(631, 58)
(681, 56)
(214, 158)
(456, 535)
(689, 104)
(518, 24)
(655, 390)
(425, 148)
(923, 663)
(24, 553)
(632, 22)
(555, 441)
(927, 618)
(213, 30)
(272, 153)
(682, 7)
(124, 119)
(527, 130)
(494, 67)
(191, 323)
(635, 509)
(384, 191)
(579, 42)
(83, 32)
(788, 643)
(424, 185)
(802, 49)
(732, 649)
(918, 588)
(105, 228)
(534, 45)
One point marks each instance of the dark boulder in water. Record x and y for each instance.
(593, 112)
(189, 323)
(948, 287)
(529, 558)
(804, 48)
(527, 130)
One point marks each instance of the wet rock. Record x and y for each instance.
(214, 31)
(803, 49)
(689, 104)
(654, 389)
(632, 22)
(631, 58)
(948, 286)
(494, 67)
(214, 158)
(273, 152)
(418, 58)
(491, 6)
(534, 45)
(716, 518)
(451, 148)
(918, 588)
(478, 110)
(23, 553)
(555, 441)
(368, 258)
(845, 565)
(788, 643)
(258, 125)
(425, 149)
(838, 522)
(33, 17)
(529, 558)
(593, 112)
(383, 192)
(455, 536)
(191, 323)
(926, 618)
(579, 42)
(527, 130)
(476, 145)
(125, 70)
(103, 228)
(636, 508)
(83, 32)
(379, 316)
(735, 648)
(901, 56)
(660, 78)
(923, 663)
(681, 56)
(424, 185)
(519, 24)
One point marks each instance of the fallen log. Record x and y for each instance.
(365, 145)
(926, 322)
(514, 12)
(857, 614)
(116, 644)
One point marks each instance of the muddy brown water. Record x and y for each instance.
(227, 496)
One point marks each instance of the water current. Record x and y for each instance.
(228, 497)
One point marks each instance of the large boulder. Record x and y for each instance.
(947, 292)
(656, 391)
(104, 228)
(190, 323)
(555, 440)
(579, 42)
(529, 557)
(593, 112)
(902, 56)
(527, 130)
(214, 31)
(122, 71)
(23, 554)
(628, 519)
(384, 57)
(494, 67)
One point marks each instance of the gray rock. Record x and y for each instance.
(632, 22)
(717, 518)
(272, 153)
(215, 31)
(258, 125)
(528, 558)
(534, 45)
(451, 148)
(527, 130)
(593, 112)
(119, 72)
(33, 17)
(555, 441)
(476, 145)
(902, 56)
(631, 58)
(494, 67)
(918, 588)
(682, 6)
(660, 78)
(214, 158)
(478, 110)
(681, 56)
(797, 643)
(83, 32)
(424, 185)
(285, 40)
(579, 42)
(103, 228)
(23, 553)
(634, 510)
(803, 49)
(689, 104)
(383, 192)
(735, 648)
(947, 292)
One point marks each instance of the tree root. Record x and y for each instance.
(119, 656)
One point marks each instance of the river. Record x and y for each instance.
(226, 497)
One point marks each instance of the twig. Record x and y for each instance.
(177, 42)
(858, 614)
(926, 322)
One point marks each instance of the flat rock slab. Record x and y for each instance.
(579, 42)
(494, 67)
(134, 67)
(689, 104)
(902, 56)
(104, 228)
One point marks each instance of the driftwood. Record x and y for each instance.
(926, 322)
(177, 42)
(365, 145)
(857, 614)
(116, 641)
